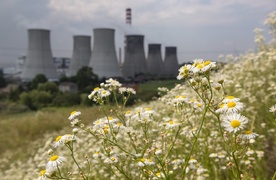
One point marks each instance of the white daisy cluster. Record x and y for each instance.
(198, 67)
(140, 114)
(102, 93)
(99, 94)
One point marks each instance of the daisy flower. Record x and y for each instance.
(273, 109)
(55, 162)
(248, 135)
(74, 115)
(230, 98)
(43, 174)
(230, 107)
(234, 122)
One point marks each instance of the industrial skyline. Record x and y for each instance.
(200, 29)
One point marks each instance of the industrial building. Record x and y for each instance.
(104, 60)
(154, 60)
(171, 62)
(81, 54)
(39, 59)
(135, 59)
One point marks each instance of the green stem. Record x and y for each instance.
(195, 141)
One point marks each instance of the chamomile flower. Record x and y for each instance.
(230, 107)
(248, 135)
(273, 108)
(43, 174)
(230, 99)
(171, 123)
(184, 71)
(74, 115)
(55, 162)
(234, 122)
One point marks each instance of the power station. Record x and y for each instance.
(39, 58)
(135, 59)
(104, 60)
(171, 62)
(81, 54)
(154, 60)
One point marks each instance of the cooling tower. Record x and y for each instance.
(81, 54)
(135, 60)
(39, 59)
(154, 61)
(103, 59)
(170, 62)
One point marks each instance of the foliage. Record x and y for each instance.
(36, 99)
(67, 99)
(3, 81)
(85, 77)
(50, 87)
(40, 78)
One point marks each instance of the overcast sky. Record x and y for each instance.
(198, 28)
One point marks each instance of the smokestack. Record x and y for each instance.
(104, 60)
(81, 54)
(171, 62)
(39, 59)
(128, 16)
(135, 60)
(154, 61)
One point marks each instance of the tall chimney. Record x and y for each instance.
(39, 59)
(171, 62)
(81, 54)
(154, 61)
(128, 16)
(135, 60)
(104, 59)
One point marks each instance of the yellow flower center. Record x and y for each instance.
(119, 124)
(183, 96)
(198, 105)
(42, 172)
(110, 118)
(103, 92)
(230, 97)
(171, 122)
(199, 66)
(248, 132)
(142, 160)
(53, 158)
(207, 63)
(221, 106)
(148, 109)
(235, 123)
(128, 112)
(73, 112)
(58, 138)
(176, 97)
(231, 104)
(113, 159)
(96, 88)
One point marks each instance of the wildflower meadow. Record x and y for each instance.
(218, 122)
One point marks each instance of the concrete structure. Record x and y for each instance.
(39, 59)
(171, 62)
(154, 61)
(104, 60)
(81, 54)
(135, 59)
